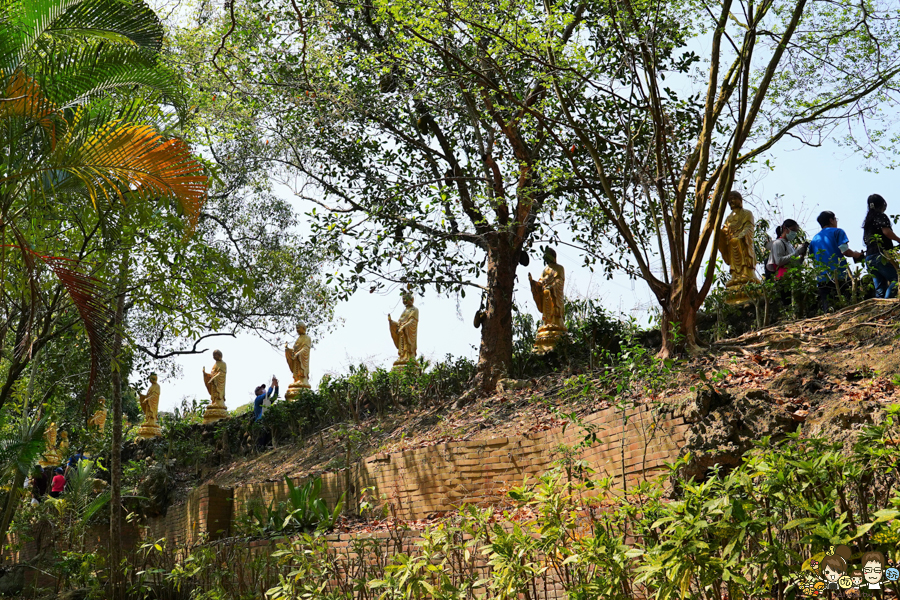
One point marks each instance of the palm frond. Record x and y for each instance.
(95, 505)
(115, 20)
(73, 76)
(125, 159)
(24, 22)
(21, 448)
(89, 296)
(24, 99)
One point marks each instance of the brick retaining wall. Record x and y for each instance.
(631, 446)
(440, 478)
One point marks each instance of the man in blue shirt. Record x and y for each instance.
(260, 402)
(828, 249)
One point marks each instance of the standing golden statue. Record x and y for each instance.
(738, 252)
(51, 457)
(215, 385)
(298, 361)
(548, 293)
(150, 406)
(404, 332)
(63, 448)
(98, 420)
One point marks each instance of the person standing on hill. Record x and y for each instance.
(828, 249)
(59, 483)
(39, 482)
(782, 258)
(878, 237)
(264, 398)
(784, 255)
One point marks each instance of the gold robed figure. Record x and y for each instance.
(404, 332)
(51, 457)
(737, 249)
(215, 385)
(98, 420)
(548, 294)
(298, 361)
(150, 405)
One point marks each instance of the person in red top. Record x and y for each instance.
(59, 482)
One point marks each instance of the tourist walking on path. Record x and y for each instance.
(879, 237)
(828, 249)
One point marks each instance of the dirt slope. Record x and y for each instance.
(829, 374)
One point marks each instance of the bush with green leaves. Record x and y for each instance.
(304, 510)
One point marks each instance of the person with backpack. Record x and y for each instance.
(879, 237)
(828, 249)
(782, 257)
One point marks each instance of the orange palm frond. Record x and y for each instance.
(23, 98)
(89, 297)
(124, 158)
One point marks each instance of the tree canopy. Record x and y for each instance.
(433, 138)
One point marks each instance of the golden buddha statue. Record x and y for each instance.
(738, 252)
(150, 406)
(98, 420)
(215, 385)
(51, 457)
(548, 294)
(298, 361)
(404, 332)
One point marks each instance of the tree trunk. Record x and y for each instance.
(495, 355)
(13, 499)
(115, 452)
(678, 323)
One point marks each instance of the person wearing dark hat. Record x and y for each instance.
(878, 237)
(262, 395)
(58, 484)
(828, 249)
(259, 397)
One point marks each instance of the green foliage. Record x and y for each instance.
(304, 510)
(746, 532)
(307, 508)
(349, 397)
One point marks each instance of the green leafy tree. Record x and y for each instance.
(415, 167)
(657, 132)
(424, 130)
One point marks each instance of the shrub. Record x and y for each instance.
(748, 533)
(304, 510)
